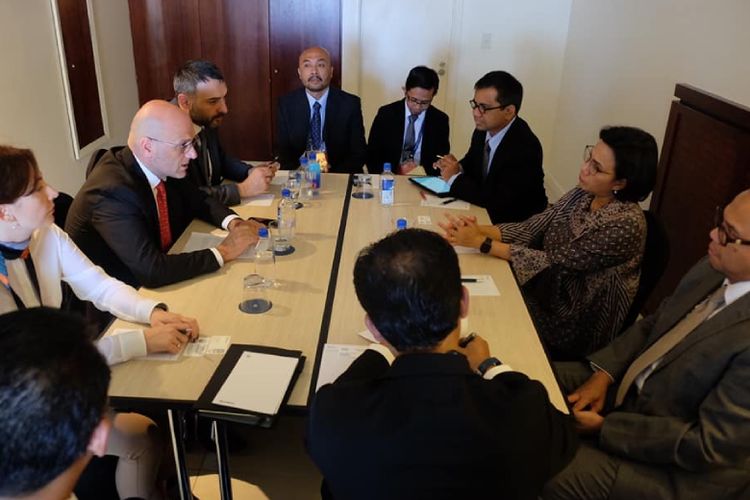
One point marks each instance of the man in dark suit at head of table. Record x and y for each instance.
(136, 202)
(410, 131)
(200, 91)
(425, 414)
(319, 117)
(502, 171)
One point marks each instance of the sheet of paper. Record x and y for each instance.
(202, 241)
(262, 200)
(483, 284)
(418, 170)
(365, 334)
(281, 177)
(257, 383)
(207, 345)
(433, 201)
(424, 220)
(462, 250)
(335, 360)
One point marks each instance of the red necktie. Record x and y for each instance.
(161, 204)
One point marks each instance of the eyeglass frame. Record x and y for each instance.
(482, 108)
(722, 234)
(416, 101)
(588, 159)
(185, 146)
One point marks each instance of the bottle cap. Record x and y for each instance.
(401, 224)
(285, 193)
(263, 232)
(303, 160)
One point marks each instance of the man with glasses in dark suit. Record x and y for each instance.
(502, 171)
(668, 401)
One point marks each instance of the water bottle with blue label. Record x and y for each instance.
(387, 185)
(285, 222)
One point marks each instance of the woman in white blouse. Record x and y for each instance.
(35, 257)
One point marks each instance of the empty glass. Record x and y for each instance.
(362, 186)
(254, 295)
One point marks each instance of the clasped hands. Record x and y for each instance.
(588, 402)
(462, 230)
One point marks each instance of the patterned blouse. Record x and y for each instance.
(578, 270)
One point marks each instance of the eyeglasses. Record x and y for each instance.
(416, 101)
(724, 237)
(593, 165)
(483, 108)
(184, 147)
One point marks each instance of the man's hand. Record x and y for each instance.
(258, 179)
(475, 351)
(462, 231)
(588, 422)
(160, 317)
(448, 166)
(592, 394)
(166, 338)
(407, 167)
(241, 235)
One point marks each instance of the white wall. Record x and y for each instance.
(34, 110)
(622, 61)
(525, 38)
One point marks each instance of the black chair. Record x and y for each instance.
(655, 258)
(62, 205)
(95, 157)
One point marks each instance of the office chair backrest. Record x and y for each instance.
(655, 258)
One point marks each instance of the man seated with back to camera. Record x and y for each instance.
(420, 415)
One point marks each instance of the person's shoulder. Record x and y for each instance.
(288, 98)
(343, 95)
(436, 113)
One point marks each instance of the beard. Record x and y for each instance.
(203, 120)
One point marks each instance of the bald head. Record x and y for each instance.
(315, 70)
(733, 257)
(160, 136)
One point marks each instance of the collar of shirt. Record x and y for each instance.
(323, 101)
(153, 179)
(734, 291)
(496, 139)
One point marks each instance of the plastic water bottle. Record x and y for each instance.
(400, 224)
(265, 260)
(313, 173)
(285, 222)
(304, 184)
(387, 185)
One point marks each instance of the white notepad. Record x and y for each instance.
(484, 284)
(335, 360)
(257, 383)
(261, 200)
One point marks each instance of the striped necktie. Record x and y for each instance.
(316, 137)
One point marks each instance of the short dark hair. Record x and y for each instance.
(409, 283)
(193, 72)
(53, 393)
(422, 77)
(636, 157)
(509, 90)
(18, 169)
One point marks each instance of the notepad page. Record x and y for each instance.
(257, 383)
(336, 359)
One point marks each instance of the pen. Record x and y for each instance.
(450, 200)
(439, 157)
(469, 280)
(421, 193)
(466, 340)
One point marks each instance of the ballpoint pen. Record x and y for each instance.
(450, 200)
(469, 280)
(466, 340)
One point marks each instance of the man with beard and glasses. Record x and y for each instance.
(200, 91)
(320, 118)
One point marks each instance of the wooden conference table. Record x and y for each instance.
(315, 302)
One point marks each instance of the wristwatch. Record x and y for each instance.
(487, 364)
(486, 245)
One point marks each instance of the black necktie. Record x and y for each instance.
(486, 159)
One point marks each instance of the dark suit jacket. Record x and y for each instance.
(223, 167)
(514, 188)
(687, 434)
(114, 221)
(428, 427)
(387, 138)
(343, 131)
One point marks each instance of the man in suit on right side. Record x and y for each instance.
(410, 131)
(502, 171)
(670, 398)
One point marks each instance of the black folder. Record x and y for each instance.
(205, 405)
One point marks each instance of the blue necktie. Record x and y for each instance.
(315, 134)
